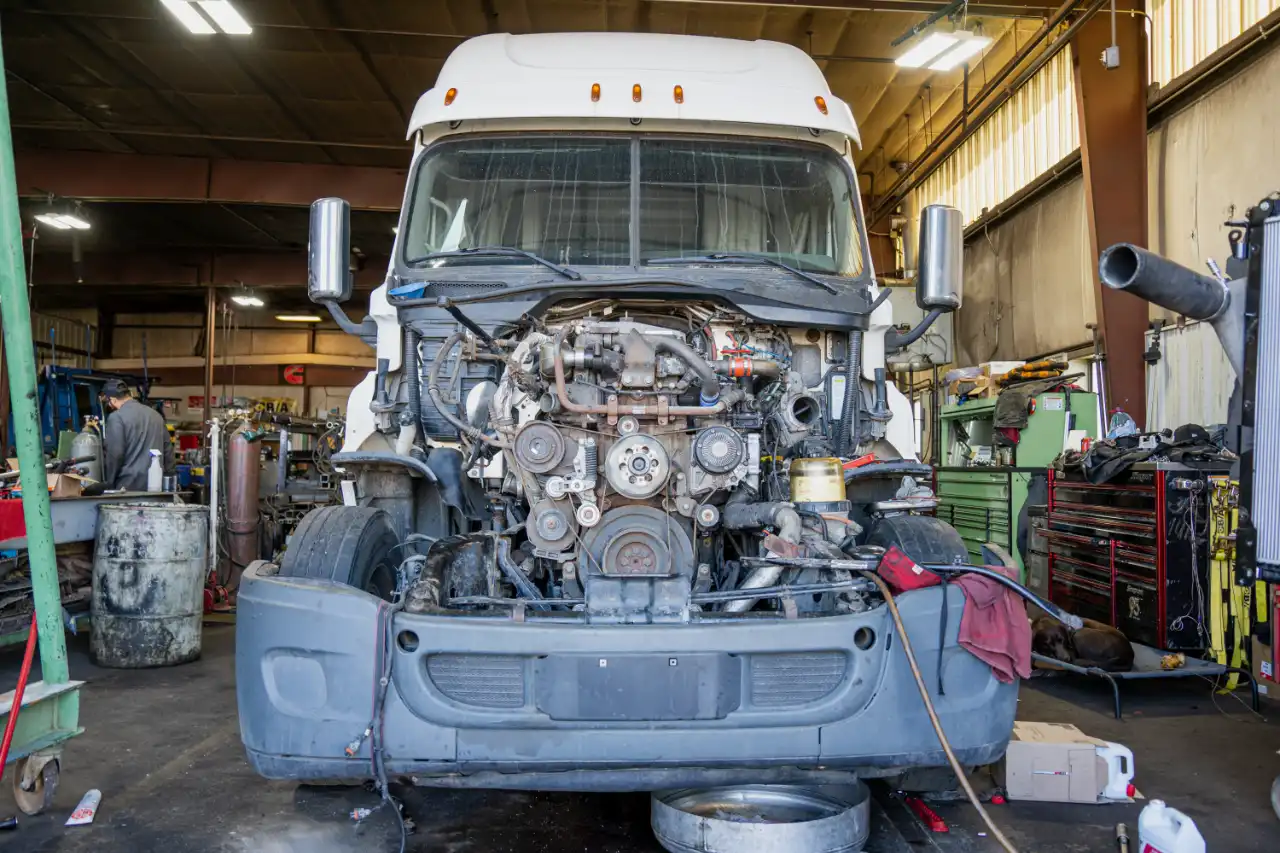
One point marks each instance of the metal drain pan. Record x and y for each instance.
(763, 819)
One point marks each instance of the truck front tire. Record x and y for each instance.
(347, 544)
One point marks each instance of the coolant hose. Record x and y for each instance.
(846, 435)
(518, 578)
(697, 364)
(933, 714)
(437, 399)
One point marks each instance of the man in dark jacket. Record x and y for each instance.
(133, 431)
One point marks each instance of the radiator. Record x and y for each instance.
(1266, 434)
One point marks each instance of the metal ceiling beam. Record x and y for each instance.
(191, 270)
(142, 177)
(1021, 9)
(1112, 110)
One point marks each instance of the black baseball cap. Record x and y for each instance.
(115, 388)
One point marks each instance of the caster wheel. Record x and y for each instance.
(40, 797)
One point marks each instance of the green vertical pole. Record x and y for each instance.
(15, 312)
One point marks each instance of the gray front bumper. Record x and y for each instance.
(499, 703)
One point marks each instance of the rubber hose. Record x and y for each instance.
(437, 399)
(933, 714)
(518, 578)
(1069, 619)
(848, 430)
(1161, 281)
(696, 363)
(894, 341)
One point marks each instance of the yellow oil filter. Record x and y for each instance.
(817, 481)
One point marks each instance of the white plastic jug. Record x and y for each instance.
(1119, 771)
(1165, 830)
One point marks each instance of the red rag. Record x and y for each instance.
(902, 574)
(994, 627)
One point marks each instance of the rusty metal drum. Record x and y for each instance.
(149, 567)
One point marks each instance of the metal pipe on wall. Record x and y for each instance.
(210, 327)
(244, 471)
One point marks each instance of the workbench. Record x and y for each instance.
(75, 519)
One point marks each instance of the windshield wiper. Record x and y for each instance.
(503, 251)
(745, 258)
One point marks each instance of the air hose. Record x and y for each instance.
(933, 715)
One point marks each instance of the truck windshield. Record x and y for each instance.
(616, 201)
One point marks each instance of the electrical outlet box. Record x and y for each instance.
(1111, 57)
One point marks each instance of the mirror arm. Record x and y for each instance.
(366, 330)
(895, 340)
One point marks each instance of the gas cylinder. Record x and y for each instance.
(89, 443)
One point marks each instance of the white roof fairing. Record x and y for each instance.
(550, 75)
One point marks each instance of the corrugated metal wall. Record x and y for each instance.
(1028, 282)
(1192, 381)
(1025, 137)
(56, 337)
(1185, 32)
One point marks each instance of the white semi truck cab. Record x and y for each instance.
(628, 443)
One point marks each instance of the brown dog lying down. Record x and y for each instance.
(1095, 645)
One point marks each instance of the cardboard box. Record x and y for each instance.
(1054, 763)
(60, 485)
(1263, 669)
(66, 485)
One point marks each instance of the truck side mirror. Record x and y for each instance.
(940, 280)
(329, 251)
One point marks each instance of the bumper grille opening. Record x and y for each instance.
(794, 680)
(483, 681)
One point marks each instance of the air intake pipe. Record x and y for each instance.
(1174, 287)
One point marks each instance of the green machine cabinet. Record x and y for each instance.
(982, 482)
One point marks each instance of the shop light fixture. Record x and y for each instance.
(969, 46)
(943, 51)
(206, 17)
(297, 318)
(64, 221)
(247, 300)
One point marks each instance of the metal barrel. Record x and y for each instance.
(149, 568)
(1161, 281)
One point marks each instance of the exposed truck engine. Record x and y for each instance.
(637, 452)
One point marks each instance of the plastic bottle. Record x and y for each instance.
(1165, 830)
(155, 474)
(1119, 771)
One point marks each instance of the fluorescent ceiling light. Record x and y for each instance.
(219, 16)
(189, 17)
(966, 48)
(298, 318)
(247, 301)
(926, 51)
(226, 17)
(63, 221)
